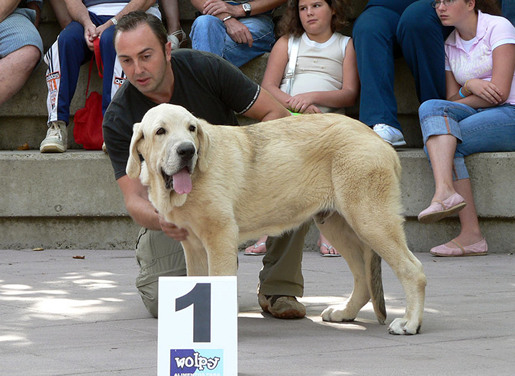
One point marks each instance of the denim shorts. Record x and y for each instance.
(18, 31)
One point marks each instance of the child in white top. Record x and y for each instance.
(326, 74)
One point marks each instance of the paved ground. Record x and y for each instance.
(65, 316)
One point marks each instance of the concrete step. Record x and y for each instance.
(71, 200)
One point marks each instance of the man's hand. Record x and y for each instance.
(100, 29)
(90, 34)
(238, 32)
(216, 7)
(172, 230)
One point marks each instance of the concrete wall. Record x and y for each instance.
(71, 200)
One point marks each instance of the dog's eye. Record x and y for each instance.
(161, 131)
(192, 128)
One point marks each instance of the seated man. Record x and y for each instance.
(211, 89)
(92, 19)
(237, 31)
(21, 46)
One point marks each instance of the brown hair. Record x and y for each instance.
(133, 19)
(488, 6)
(290, 21)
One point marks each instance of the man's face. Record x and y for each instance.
(142, 58)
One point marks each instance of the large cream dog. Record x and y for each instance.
(226, 185)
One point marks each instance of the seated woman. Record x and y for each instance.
(479, 115)
(324, 75)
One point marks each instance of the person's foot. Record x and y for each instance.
(441, 209)
(282, 306)
(456, 249)
(257, 249)
(177, 38)
(56, 139)
(326, 249)
(390, 134)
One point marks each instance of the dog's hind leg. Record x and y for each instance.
(365, 266)
(381, 228)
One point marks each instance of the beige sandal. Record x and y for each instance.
(177, 38)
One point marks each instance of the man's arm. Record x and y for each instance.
(130, 7)
(236, 30)
(7, 7)
(141, 210)
(220, 7)
(36, 5)
(266, 107)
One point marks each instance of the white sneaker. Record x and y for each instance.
(56, 139)
(174, 38)
(390, 134)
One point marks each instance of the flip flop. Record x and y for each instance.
(251, 251)
(329, 248)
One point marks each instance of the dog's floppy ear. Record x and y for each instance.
(134, 163)
(204, 141)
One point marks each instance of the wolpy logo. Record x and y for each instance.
(196, 362)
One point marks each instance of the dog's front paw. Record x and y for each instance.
(338, 313)
(403, 326)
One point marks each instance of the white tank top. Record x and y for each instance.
(319, 65)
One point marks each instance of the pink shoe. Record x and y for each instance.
(477, 249)
(441, 209)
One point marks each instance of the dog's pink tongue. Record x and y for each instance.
(182, 182)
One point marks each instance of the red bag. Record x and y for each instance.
(87, 130)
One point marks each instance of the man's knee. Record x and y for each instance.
(205, 23)
(158, 255)
(149, 294)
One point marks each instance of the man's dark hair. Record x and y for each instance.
(133, 19)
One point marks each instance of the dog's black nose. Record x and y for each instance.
(186, 151)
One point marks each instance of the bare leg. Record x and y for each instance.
(15, 70)
(470, 232)
(441, 151)
(171, 10)
(61, 13)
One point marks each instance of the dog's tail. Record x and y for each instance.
(375, 285)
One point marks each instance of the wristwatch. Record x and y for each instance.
(247, 9)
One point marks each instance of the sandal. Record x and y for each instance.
(330, 250)
(258, 249)
(177, 38)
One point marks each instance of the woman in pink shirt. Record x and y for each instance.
(478, 115)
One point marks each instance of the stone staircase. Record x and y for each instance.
(71, 200)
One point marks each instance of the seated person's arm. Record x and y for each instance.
(266, 108)
(219, 7)
(133, 5)
(7, 7)
(482, 93)
(141, 210)
(274, 72)
(36, 6)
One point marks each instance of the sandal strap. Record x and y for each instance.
(459, 246)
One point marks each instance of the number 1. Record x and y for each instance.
(200, 298)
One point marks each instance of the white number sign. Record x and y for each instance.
(198, 326)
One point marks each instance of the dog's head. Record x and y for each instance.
(169, 138)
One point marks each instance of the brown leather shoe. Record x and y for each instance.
(282, 306)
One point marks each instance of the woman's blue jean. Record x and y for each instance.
(208, 34)
(477, 130)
